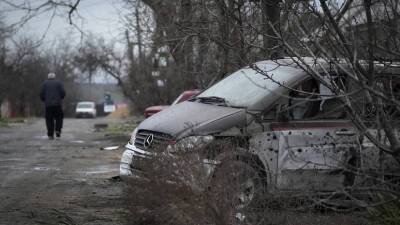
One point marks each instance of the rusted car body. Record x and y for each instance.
(300, 141)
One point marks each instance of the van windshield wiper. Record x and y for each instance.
(211, 99)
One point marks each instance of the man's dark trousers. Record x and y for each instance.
(54, 114)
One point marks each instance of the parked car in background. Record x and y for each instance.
(149, 111)
(86, 109)
(181, 98)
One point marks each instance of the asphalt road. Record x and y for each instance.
(63, 181)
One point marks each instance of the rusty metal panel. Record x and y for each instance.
(312, 159)
(304, 159)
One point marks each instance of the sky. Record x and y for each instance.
(100, 17)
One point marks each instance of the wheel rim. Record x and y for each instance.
(246, 193)
(238, 185)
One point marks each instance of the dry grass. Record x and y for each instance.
(176, 189)
(120, 112)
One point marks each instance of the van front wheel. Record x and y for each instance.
(238, 186)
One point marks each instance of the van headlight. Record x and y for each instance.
(133, 136)
(190, 143)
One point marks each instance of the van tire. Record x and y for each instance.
(238, 186)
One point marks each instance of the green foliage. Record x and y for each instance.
(2, 122)
(6, 121)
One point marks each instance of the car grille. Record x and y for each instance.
(158, 138)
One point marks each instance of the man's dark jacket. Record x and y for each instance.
(52, 92)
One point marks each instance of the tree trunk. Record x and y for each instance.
(271, 17)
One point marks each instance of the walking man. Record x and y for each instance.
(52, 93)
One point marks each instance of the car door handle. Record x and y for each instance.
(345, 132)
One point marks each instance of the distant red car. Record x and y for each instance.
(181, 98)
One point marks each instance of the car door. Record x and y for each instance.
(317, 144)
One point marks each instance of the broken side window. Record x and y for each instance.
(331, 104)
(303, 102)
(311, 99)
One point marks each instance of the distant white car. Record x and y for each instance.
(86, 109)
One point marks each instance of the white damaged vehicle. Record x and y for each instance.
(293, 130)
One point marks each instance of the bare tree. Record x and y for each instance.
(24, 67)
(358, 39)
(204, 40)
(31, 9)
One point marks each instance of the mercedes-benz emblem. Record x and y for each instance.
(148, 140)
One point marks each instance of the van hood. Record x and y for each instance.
(193, 118)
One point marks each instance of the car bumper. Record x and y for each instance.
(131, 156)
(85, 114)
(127, 165)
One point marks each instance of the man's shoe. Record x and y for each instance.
(58, 134)
(51, 138)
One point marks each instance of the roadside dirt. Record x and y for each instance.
(64, 181)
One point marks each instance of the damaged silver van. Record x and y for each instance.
(294, 130)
